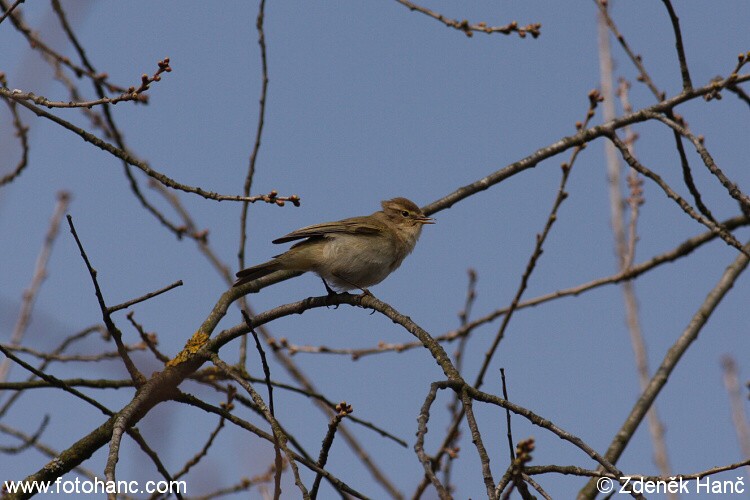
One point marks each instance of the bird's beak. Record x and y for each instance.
(426, 220)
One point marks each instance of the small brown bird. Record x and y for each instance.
(350, 253)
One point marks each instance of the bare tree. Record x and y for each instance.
(214, 373)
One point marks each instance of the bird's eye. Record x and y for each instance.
(405, 213)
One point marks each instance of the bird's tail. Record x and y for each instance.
(255, 272)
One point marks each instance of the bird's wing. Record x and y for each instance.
(354, 225)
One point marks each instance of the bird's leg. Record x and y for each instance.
(330, 290)
(331, 293)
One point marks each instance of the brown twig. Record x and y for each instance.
(243, 485)
(258, 132)
(636, 59)
(107, 123)
(517, 471)
(149, 339)
(660, 96)
(672, 194)
(74, 357)
(594, 100)
(740, 93)
(144, 298)
(428, 463)
(565, 143)
(71, 382)
(580, 471)
(201, 376)
(532, 417)
(9, 10)
(271, 198)
(708, 160)
(27, 443)
(343, 409)
(136, 375)
(476, 438)
(22, 132)
(536, 486)
(686, 83)
(468, 29)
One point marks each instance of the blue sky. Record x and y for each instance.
(368, 101)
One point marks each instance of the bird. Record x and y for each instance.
(353, 253)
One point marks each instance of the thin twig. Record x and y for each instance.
(108, 125)
(343, 409)
(687, 85)
(643, 76)
(582, 137)
(22, 132)
(10, 9)
(636, 59)
(88, 358)
(145, 297)
(468, 29)
(708, 160)
(70, 382)
(131, 160)
(672, 194)
(428, 463)
(136, 375)
(202, 376)
(509, 432)
(594, 100)
(27, 443)
(476, 438)
(149, 340)
(536, 486)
